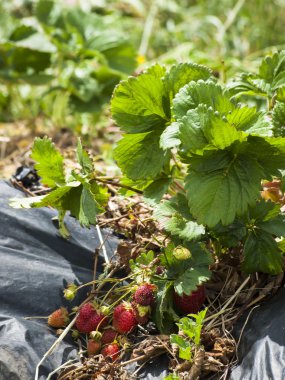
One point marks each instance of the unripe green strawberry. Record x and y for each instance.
(70, 292)
(190, 304)
(181, 253)
(59, 318)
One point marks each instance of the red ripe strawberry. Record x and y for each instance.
(159, 270)
(59, 318)
(144, 295)
(124, 318)
(93, 347)
(111, 351)
(89, 319)
(190, 304)
(108, 336)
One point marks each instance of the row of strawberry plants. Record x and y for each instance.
(69, 61)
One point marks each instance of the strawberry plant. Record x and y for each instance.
(188, 136)
(185, 135)
(212, 169)
(188, 339)
(189, 334)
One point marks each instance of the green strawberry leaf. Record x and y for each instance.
(49, 162)
(266, 216)
(218, 188)
(192, 327)
(187, 274)
(262, 254)
(208, 93)
(270, 78)
(143, 260)
(269, 152)
(154, 192)
(25, 202)
(83, 159)
(185, 348)
(271, 67)
(164, 316)
(280, 94)
(140, 156)
(231, 235)
(139, 104)
(84, 200)
(171, 217)
(142, 103)
(183, 73)
(172, 376)
(188, 281)
(278, 119)
(170, 137)
(274, 226)
(201, 129)
(248, 120)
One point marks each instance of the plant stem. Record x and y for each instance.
(116, 184)
(102, 244)
(224, 308)
(148, 27)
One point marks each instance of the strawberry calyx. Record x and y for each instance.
(95, 335)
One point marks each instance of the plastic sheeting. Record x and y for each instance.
(35, 265)
(262, 347)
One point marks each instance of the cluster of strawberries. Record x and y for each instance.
(104, 338)
(108, 339)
